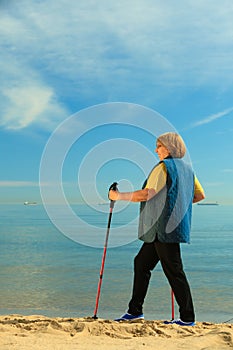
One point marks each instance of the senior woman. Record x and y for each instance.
(165, 221)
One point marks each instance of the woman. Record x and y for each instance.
(165, 219)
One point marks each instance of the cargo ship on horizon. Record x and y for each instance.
(208, 203)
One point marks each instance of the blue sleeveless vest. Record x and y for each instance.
(167, 216)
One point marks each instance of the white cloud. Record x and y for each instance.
(214, 184)
(8, 183)
(212, 117)
(18, 184)
(30, 104)
(227, 171)
(108, 50)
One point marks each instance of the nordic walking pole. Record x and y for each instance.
(173, 304)
(114, 188)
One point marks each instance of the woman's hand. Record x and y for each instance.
(113, 195)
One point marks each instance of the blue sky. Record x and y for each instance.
(59, 57)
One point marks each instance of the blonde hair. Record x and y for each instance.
(174, 144)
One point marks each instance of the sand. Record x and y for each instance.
(40, 332)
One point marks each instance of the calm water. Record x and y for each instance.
(44, 272)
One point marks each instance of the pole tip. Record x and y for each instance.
(95, 317)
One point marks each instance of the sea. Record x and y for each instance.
(44, 271)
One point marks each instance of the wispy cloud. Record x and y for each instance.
(214, 184)
(212, 117)
(228, 171)
(31, 104)
(7, 183)
(90, 52)
(18, 184)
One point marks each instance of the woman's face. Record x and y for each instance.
(161, 150)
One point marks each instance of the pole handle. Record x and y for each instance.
(113, 187)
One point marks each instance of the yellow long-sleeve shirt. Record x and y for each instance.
(158, 177)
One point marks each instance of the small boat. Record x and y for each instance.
(30, 203)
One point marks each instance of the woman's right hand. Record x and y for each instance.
(113, 195)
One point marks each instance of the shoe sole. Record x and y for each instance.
(128, 320)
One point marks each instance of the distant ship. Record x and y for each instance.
(30, 203)
(208, 203)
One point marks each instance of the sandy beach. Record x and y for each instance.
(40, 332)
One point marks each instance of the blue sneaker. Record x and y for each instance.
(129, 317)
(180, 323)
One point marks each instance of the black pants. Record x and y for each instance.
(170, 257)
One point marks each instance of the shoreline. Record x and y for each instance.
(40, 332)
